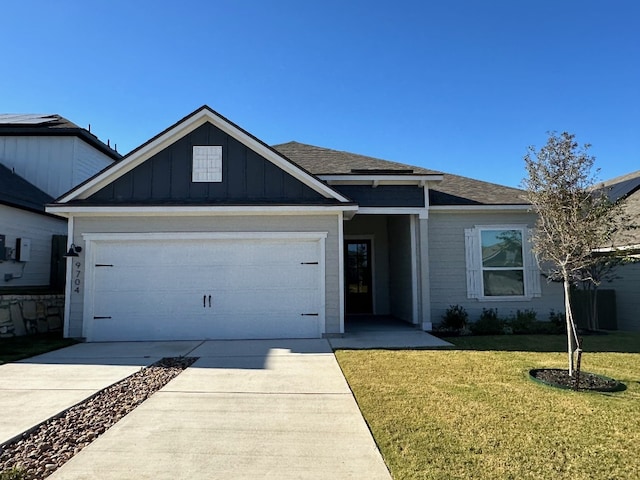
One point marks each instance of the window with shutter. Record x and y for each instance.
(500, 263)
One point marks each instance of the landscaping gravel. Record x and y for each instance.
(40, 452)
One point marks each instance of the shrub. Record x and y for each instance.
(454, 319)
(524, 322)
(489, 323)
(557, 318)
(14, 473)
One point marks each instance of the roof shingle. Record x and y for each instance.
(453, 190)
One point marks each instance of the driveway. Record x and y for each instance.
(246, 409)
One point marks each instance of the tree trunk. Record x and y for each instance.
(569, 319)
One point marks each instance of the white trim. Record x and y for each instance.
(414, 270)
(341, 269)
(371, 238)
(312, 236)
(478, 208)
(423, 212)
(184, 128)
(186, 210)
(322, 321)
(386, 179)
(67, 284)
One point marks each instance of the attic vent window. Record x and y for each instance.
(207, 164)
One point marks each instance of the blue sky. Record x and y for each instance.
(459, 86)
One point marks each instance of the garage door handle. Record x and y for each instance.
(209, 301)
(308, 314)
(204, 301)
(308, 263)
(100, 318)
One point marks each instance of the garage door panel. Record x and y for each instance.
(155, 289)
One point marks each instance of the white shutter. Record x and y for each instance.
(473, 262)
(532, 270)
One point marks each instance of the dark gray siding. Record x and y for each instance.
(384, 195)
(247, 178)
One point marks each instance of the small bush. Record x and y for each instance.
(524, 322)
(489, 323)
(14, 473)
(557, 318)
(454, 319)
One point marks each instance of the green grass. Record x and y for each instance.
(17, 348)
(472, 412)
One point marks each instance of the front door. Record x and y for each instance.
(358, 295)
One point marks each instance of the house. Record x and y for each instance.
(41, 157)
(627, 285)
(205, 231)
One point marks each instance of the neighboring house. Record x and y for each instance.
(205, 231)
(41, 157)
(627, 286)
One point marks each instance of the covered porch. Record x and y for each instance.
(384, 276)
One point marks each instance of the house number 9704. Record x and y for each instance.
(76, 277)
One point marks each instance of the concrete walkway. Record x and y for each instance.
(38, 388)
(384, 333)
(247, 409)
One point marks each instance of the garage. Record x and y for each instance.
(189, 286)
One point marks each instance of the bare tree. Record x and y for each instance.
(574, 218)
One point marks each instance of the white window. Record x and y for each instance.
(500, 263)
(207, 164)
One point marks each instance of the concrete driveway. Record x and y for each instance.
(246, 409)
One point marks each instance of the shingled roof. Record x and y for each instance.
(627, 187)
(324, 161)
(452, 190)
(15, 191)
(37, 124)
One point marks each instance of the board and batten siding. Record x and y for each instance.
(17, 223)
(447, 264)
(54, 164)
(266, 223)
(627, 287)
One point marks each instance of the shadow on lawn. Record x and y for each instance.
(621, 342)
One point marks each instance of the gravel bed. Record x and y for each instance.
(40, 452)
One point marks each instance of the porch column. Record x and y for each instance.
(424, 290)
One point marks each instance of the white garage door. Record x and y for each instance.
(224, 287)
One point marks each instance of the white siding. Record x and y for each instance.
(447, 264)
(16, 223)
(283, 223)
(627, 288)
(53, 164)
(87, 161)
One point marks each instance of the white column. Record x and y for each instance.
(425, 284)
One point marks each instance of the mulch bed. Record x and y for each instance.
(560, 378)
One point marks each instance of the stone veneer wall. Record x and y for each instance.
(29, 314)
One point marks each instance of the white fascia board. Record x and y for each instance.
(421, 212)
(166, 211)
(186, 127)
(419, 180)
(479, 208)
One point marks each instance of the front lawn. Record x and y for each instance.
(472, 412)
(17, 348)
